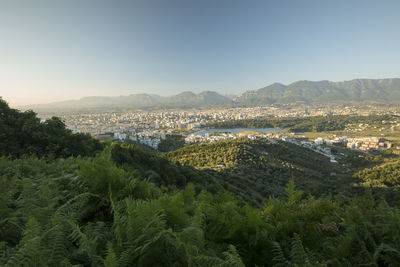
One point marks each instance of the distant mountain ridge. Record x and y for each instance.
(140, 101)
(377, 90)
(324, 91)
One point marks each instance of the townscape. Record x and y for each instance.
(151, 127)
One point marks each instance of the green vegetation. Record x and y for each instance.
(256, 170)
(23, 133)
(160, 171)
(303, 124)
(90, 212)
(386, 175)
(382, 179)
(127, 207)
(171, 142)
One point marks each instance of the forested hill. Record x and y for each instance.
(23, 133)
(385, 177)
(257, 170)
(121, 207)
(384, 90)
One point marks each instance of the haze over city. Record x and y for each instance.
(59, 50)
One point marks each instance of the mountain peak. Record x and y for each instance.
(324, 91)
(385, 90)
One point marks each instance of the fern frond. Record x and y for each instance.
(297, 254)
(279, 259)
(232, 258)
(111, 258)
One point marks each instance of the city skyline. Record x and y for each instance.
(53, 51)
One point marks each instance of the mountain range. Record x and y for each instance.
(139, 101)
(324, 91)
(376, 90)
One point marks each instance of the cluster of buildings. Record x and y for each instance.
(198, 138)
(366, 144)
(215, 137)
(138, 120)
(150, 127)
(149, 138)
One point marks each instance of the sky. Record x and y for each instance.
(52, 50)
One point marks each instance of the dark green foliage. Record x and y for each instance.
(161, 171)
(158, 170)
(90, 212)
(171, 142)
(23, 133)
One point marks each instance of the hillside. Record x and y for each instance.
(22, 133)
(386, 175)
(324, 91)
(257, 170)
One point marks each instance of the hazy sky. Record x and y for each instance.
(53, 50)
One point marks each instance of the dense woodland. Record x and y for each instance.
(382, 179)
(22, 133)
(171, 142)
(303, 124)
(257, 170)
(386, 175)
(117, 205)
